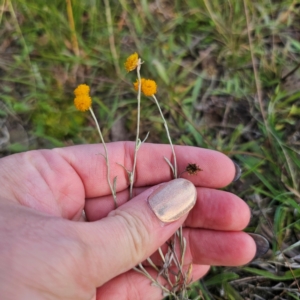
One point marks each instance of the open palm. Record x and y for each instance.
(50, 254)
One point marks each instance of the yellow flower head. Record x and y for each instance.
(82, 89)
(131, 62)
(149, 87)
(83, 102)
(82, 99)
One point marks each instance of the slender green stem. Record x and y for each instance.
(106, 158)
(181, 280)
(137, 139)
(168, 134)
(179, 262)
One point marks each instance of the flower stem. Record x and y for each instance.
(169, 137)
(178, 261)
(137, 139)
(113, 192)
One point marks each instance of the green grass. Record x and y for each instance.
(198, 51)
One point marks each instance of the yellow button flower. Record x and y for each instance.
(148, 86)
(83, 102)
(82, 99)
(131, 62)
(82, 89)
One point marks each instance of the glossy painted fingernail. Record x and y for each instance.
(238, 171)
(262, 244)
(172, 200)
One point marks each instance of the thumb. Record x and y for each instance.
(132, 232)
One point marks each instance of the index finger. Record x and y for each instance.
(217, 169)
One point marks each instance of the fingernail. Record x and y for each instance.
(238, 171)
(262, 244)
(173, 200)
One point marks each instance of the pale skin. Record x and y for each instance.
(48, 252)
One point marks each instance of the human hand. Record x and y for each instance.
(48, 254)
